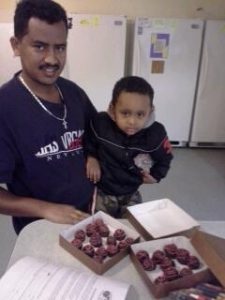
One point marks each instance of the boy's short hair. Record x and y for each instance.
(45, 10)
(132, 84)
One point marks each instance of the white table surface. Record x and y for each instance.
(41, 239)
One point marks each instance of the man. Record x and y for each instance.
(42, 121)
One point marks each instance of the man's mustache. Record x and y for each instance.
(45, 66)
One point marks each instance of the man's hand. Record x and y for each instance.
(63, 214)
(93, 169)
(147, 178)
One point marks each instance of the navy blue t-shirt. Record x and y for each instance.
(39, 158)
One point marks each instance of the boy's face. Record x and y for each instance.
(131, 112)
(42, 52)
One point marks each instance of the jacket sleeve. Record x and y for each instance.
(90, 140)
(161, 160)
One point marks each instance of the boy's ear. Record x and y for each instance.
(15, 46)
(111, 111)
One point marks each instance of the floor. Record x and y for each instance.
(196, 182)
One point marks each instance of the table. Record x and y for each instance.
(41, 239)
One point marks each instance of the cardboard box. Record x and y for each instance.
(161, 218)
(194, 245)
(212, 249)
(67, 235)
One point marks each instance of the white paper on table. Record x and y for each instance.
(33, 278)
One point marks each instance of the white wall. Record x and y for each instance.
(204, 9)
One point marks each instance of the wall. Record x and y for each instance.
(204, 9)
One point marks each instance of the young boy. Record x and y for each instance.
(126, 147)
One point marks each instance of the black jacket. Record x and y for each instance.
(116, 152)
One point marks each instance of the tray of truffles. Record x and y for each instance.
(99, 241)
(161, 218)
(168, 264)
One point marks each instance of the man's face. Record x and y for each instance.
(42, 51)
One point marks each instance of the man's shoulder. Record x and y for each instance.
(9, 92)
(71, 90)
(68, 85)
(7, 87)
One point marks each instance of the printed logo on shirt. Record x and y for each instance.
(143, 161)
(70, 142)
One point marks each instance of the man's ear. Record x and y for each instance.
(15, 46)
(153, 108)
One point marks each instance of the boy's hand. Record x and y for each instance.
(93, 169)
(147, 178)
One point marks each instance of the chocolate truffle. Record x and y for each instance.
(141, 255)
(182, 256)
(171, 273)
(158, 256)
(89, 250)
(103, 230)
(90, 229)
(80, 234)
(166, 263)
(148, 264)
(170, 250)
(77, 243)
(129, 240)
(101, 251)
(193, 262)
(112, 250)
(119, 234)
(98, 222)
(96, 240)
(111, 240)
(122, 245)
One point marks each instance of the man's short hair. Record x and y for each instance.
(45, 10)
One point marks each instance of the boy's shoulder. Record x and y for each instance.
(155, 134)
(102, 123)
(156, 127)
(102, 117)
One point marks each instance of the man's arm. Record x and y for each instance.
(30, 207)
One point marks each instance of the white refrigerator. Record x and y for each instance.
(166, 53)
(208, 129)
(96, 54)
(9, 63)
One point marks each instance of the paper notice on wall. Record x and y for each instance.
(157, 66)
(159, 45)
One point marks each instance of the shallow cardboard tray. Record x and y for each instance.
(162, 290)
(212, 249)
(161, 218)
(67, 235)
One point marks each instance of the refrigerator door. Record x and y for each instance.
(209, 117)
(96, 55)
(9, 64)
(166, 53)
